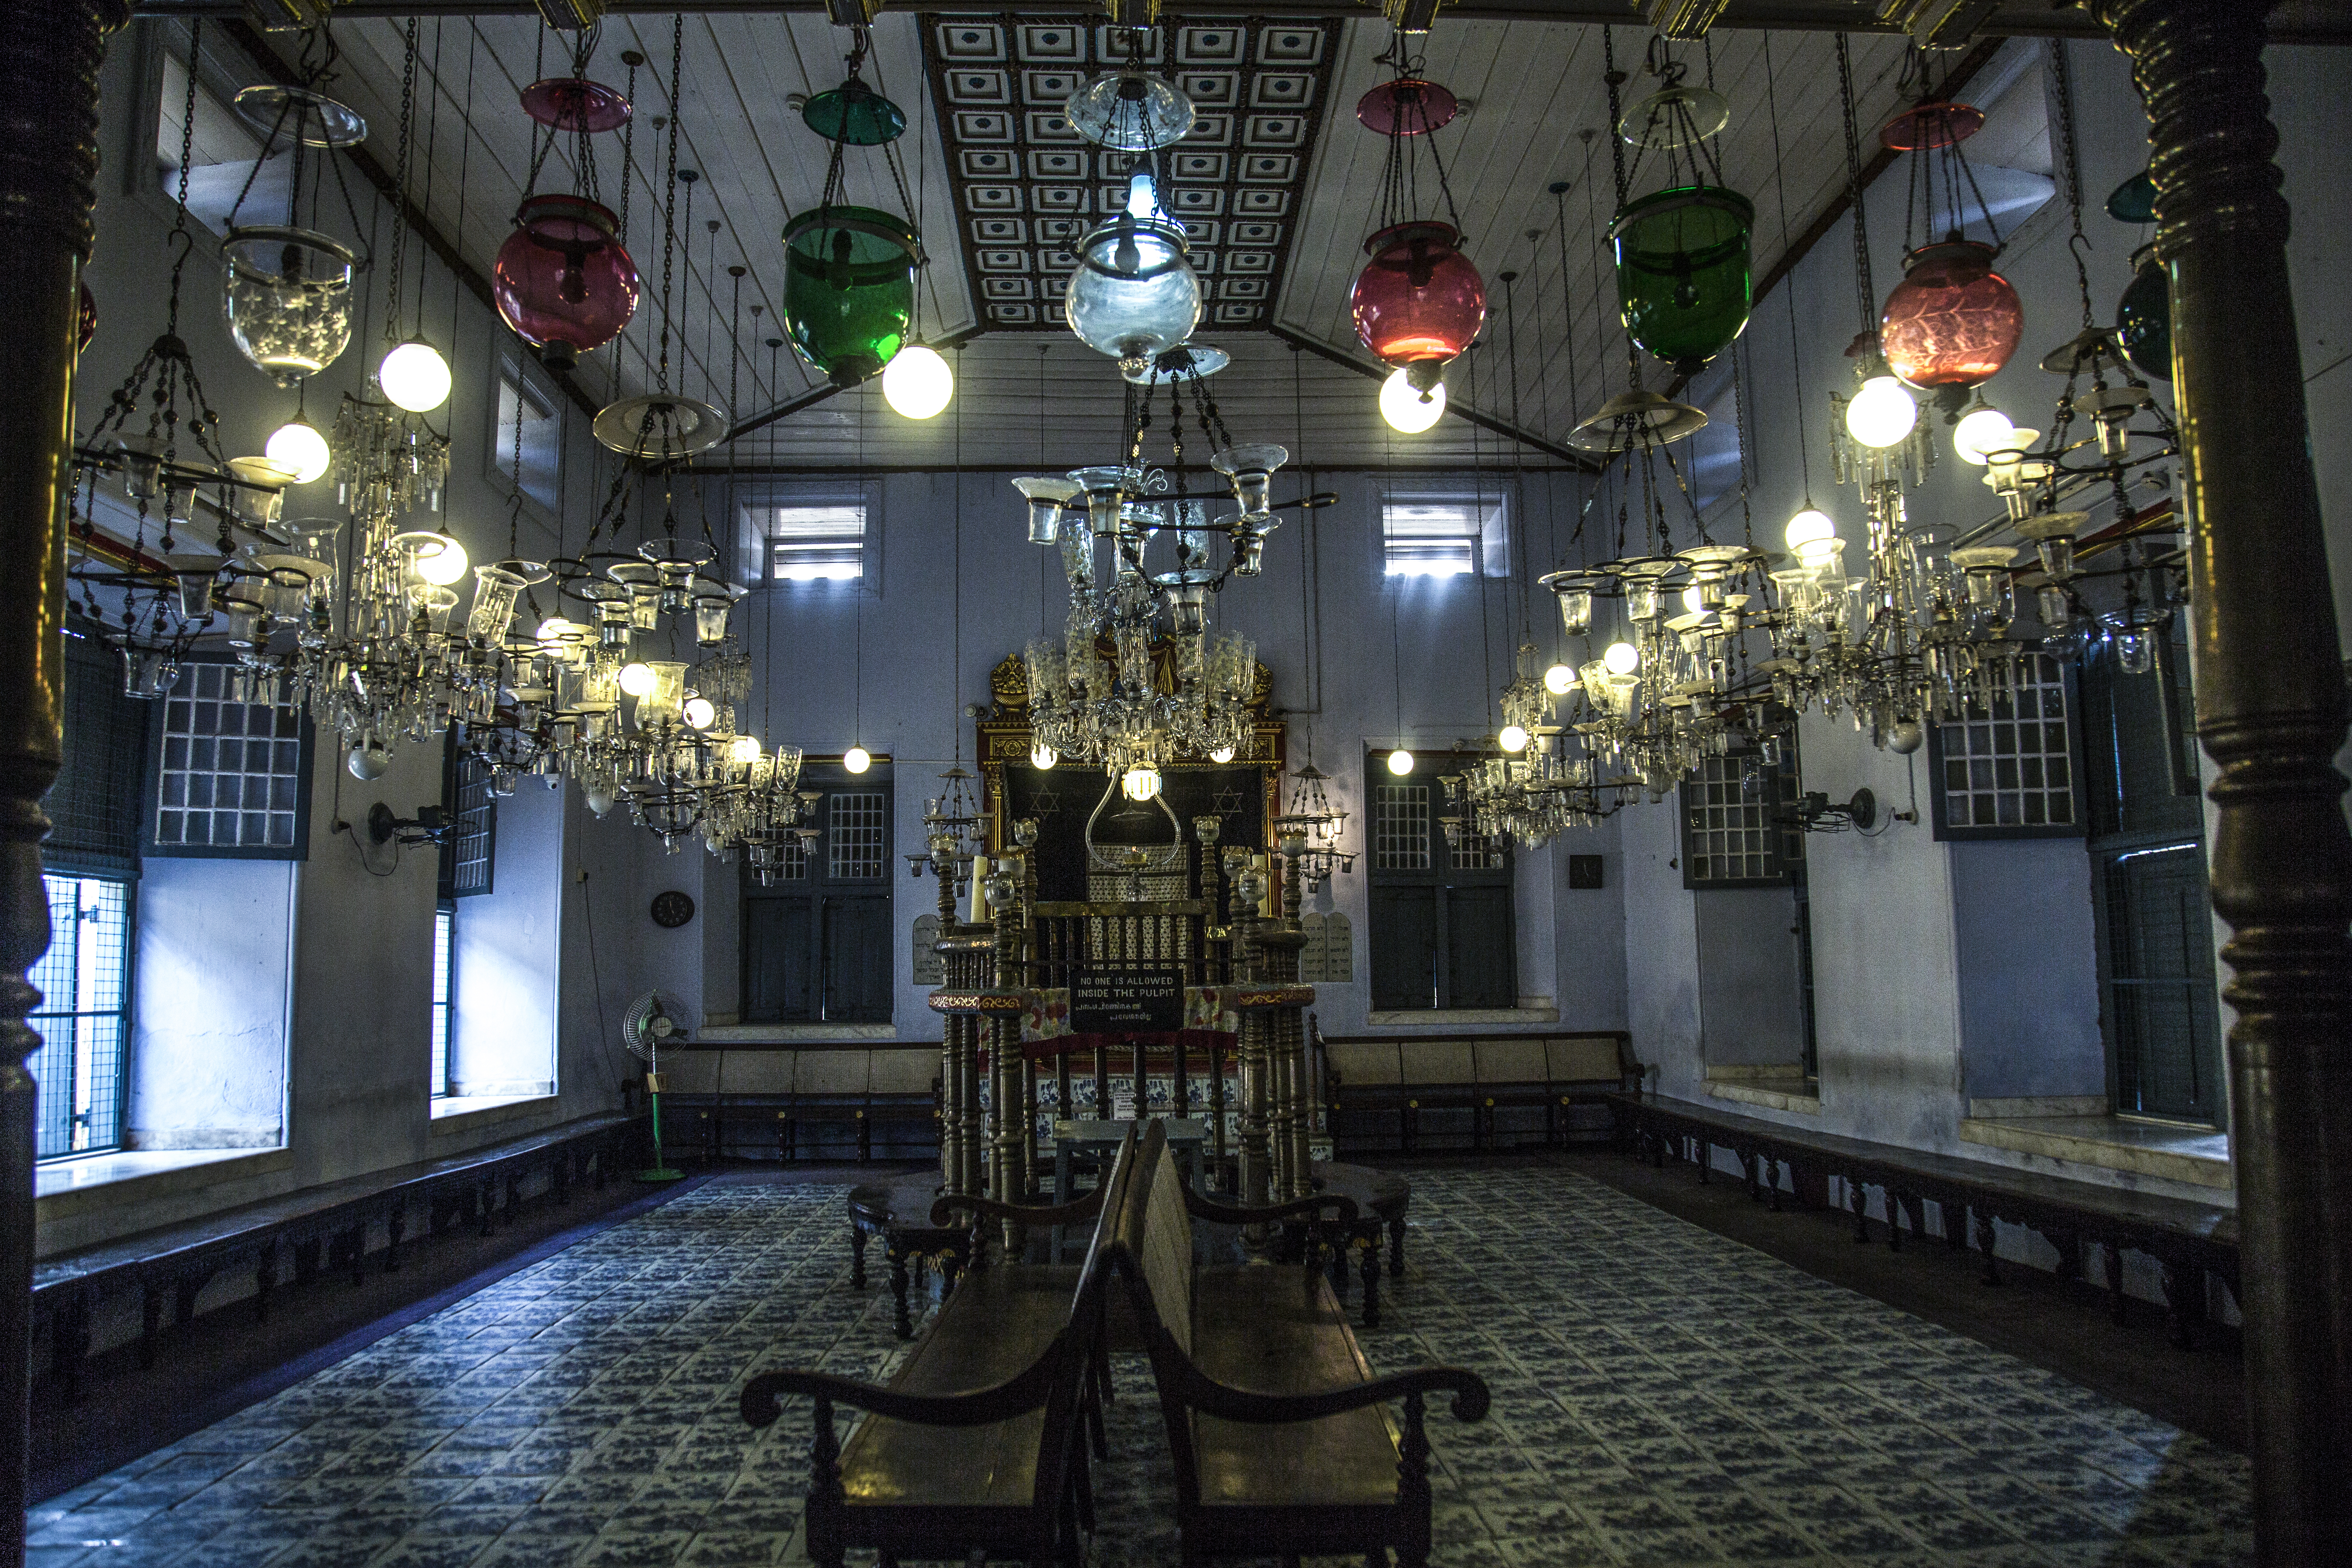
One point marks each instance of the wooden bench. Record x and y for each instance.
(321, 1227)
(792, 1091)
(1369, 1080)
(2186, 1238)
(1276, 1424)
(973, 1448)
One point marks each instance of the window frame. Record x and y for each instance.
(1784, 840)
(508, 366)
(755, 545)
(820, 886)
(1946, 832)
(1489, 544)
(151, 791)
(445, 999)
(126, 1015)
(462, 773)
(1441, 877)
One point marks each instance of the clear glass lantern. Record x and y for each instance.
(1045, 497)
(1134, 296)
(1251, 471)
(287, 293)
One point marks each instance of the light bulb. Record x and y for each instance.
(1904, 737)
(1042, 756)
(1140, 783)
(700, 713)
(1406, 410)
(1622, 658)
(1559, 680)
(857, 759)
(1694, 602)
(1981, 431)
(446, 566)
(367, 762)
(1882, 413)
(297, 445)
(1806, 527)
(414, 376)
(599, 798)
(1400, 761)
(1513, 737)
(1141, 200)
(1221, 754)
(745, 749)
(918, 383)
(636, 679)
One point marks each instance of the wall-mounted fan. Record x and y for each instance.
(644, 1028)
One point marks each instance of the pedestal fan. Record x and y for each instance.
(643, 1029)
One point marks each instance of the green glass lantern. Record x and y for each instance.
(2144, 316)
(1684, 281)
(849, 288)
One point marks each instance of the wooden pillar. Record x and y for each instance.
(50, 51)
(2271, 714)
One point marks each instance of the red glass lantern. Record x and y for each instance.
(561, 280)
(1953, 321)
(1418, 301)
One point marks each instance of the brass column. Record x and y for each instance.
(2271, 714)
(1252, 1163)
(50, 51)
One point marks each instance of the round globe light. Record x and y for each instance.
(636, 679)
(1043, 756)
(599, 798)
(918, 383)
(745, 751)
(1513, 737)
(443, 567)
(1806, 527)
(1140, 783)
(368, 762)
(1882, 413)
(414, 376)
(1984, 430)
(700, 713)
(1221, 754)
(857, 759)
(1406, 410)
(1559, 680)
(1904, 736)
(1694, 602)
(297, 445)
(555, 629)
(1622, 658)
(1400, 761)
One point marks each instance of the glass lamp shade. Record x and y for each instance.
(1576, 611)
(297, 445)
(918, 383)
(1130, 112)
(562, 281)
(1400, 761)
(149, 674)
(1045, 497)
(1953, 321)
(2144, 316)
(849, 290)
(287, 296)
(1134, 296)
(574, 104)
(1418, 298)
(663, 697)
(1684, 281)
(497, 588)
(414, 376)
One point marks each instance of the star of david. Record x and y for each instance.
(1228, 802)
(1043, 804)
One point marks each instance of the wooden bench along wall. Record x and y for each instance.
(1377, 1087)
(788, 1091)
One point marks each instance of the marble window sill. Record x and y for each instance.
(2197, 1155)
(1773, 1094)
(459, 1113)
(63, 1187)
(1435, 1017)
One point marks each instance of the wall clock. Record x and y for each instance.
(672, 909)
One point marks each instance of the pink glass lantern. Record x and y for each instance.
(1953, 321)
(1418, 301)
(561, 280)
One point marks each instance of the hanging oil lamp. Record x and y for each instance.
(1953, 322)
(1684, 282)
(1418, 301)
(563, 281)
(287, 287)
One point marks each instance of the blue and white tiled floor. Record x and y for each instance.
(1662, 1396)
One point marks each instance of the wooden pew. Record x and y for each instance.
(1275, 1421)
(975, 1448)
(1372, 1083)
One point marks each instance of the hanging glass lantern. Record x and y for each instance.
(2144, 316)
(287, 293)
(849, 288)
(562, 280)
(1953, 321)
(1684, 281)
(1134, 296)
(1418, 301)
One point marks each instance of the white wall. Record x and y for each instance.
(211, 1074)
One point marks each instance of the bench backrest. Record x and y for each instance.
(1153, 1245)
(1081, 1334)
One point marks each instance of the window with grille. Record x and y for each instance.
(469, 853)
(1474, 852)
(232, 775)
(817, 941)
(444, 994)
(1401, 828)
(2007, 770)
(83, 1017)
(811, 542)
(1443, 536)
(1734, 831)
(94, 807)
(856, 836)
(530, 421)
(1441, 931)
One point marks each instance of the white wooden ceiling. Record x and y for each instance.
(1533, 90)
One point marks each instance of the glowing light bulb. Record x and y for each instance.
(1694, 602)
(744, 751)
(918, 383)
(1408, 412)
(1559, 680)
(297, 445)
(1142, 201)
(1622, 658)
(1043, 756)
(1400, 761)
(1513, 737)
(414, 376)
(1882, 413)
(1981, 431)
(1221, 754)
(446, 566)
(1140, 783)
(1806, 527)
(599, 798)
(636, 679)
(857, 759)
(700, 713)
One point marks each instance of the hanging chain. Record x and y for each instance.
(432, 141)
(670, 203)
(1866, 290)
(631, 58)
(400, 186)
(187, 152)
(1788, 284)
(2070, 160)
